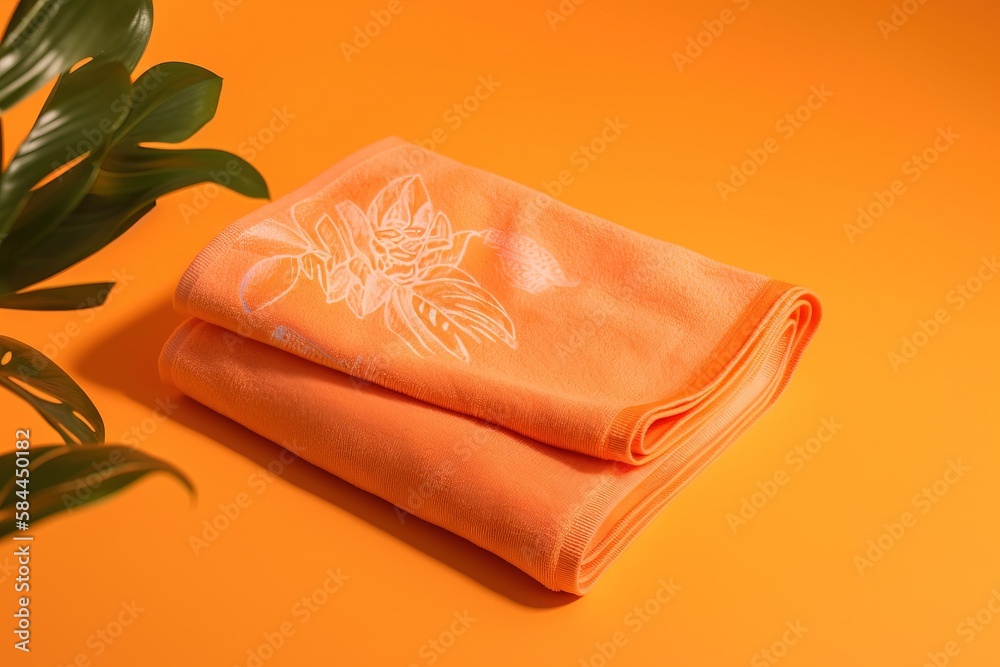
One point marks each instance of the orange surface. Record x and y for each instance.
(334, 576)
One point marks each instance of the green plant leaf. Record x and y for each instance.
(62, 478)
(48, 205)
(69, 297)
(50, 391)
(79, 117)
(168, 103)
(81, 235)
(19, 13)
(46, 37)
(144, 174)
(129, 47)
(126, 189)
(61, 225)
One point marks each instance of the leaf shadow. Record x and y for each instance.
(126, 360)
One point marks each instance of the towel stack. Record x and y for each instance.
(535, 379)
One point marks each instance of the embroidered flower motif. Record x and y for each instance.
(526, 264)
(400, 257)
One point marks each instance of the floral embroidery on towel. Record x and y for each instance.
(526, 264)
(400, 257)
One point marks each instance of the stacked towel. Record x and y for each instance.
(531, 377)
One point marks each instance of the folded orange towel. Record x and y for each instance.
(478, 303)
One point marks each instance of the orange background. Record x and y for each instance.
(792, 562)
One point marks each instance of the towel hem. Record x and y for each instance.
(172, 348)
(628, 437)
